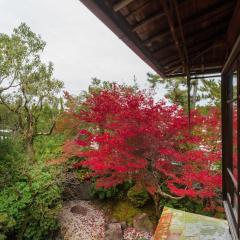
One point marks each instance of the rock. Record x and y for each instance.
(114, 232)
(74, 190)
(79, 210)
(85, 191)
(114, 220)
(141, 222)
(130, 224)
(123, 225)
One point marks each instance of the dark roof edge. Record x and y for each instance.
(117, 26)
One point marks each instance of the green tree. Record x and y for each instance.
(176, 89)
(27, 85)
(211, 91)
(205, 90)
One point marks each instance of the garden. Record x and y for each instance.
(104, 163)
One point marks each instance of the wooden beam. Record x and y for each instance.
(181, 32)
(195, 20)
(148, 20)
(196, 54)
(190, 40)
(197, 67)
(232, 56)
(181, 74)
(234, 25)
(205, 65)
(205, 77)
(173, 30)
(138, 10)
(121, 4)
(194, 51)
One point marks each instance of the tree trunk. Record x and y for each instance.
(156, 199)
(30, 149)
(194, 97)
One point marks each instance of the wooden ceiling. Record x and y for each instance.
(175, 37)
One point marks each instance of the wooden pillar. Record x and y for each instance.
(227, 136)
(238, 148)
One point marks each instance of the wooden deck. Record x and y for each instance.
(179, 225)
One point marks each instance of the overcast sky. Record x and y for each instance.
(79, 45)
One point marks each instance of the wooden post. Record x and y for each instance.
(227, 141)
(238, 147)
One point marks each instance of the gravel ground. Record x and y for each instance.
(132, 234)
(82, 220)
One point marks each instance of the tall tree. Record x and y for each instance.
(27, 84)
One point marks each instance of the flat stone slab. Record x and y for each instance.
(179, 225)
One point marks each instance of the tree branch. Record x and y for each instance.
(46, 133)
(7, 105)
(11, 83)
(167, 195)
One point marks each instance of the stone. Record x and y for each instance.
(177, 224)
(130, 224)
(114, 232)
(114, 220)
(141, 222)
(74, 190)
(123, 225)
(79, 210)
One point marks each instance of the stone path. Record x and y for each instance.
(180, 225)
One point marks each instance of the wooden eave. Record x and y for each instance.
(174, 37)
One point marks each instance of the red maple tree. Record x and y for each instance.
(129, 136)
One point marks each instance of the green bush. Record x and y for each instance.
(48, 147)
(103, 193)
(12, 160)
(118, 191)
(29, 206)
(6, 225)
(138, 196)
(82, 173)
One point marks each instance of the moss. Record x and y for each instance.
(125, 211)
(138, 195)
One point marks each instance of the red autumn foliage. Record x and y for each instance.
(128, 136)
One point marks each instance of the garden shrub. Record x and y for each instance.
(6, 225)
(82, 174)
(31, 203)
(103, 193)
(12, 160)
(138, 195)
(118, 191)
(48, 147)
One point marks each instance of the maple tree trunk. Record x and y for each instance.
(156, 199)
